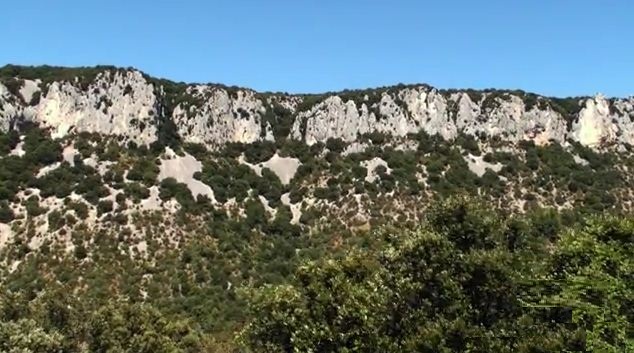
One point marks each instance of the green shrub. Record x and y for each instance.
(280, 119)
(144, 170)
(6, 213)
(335, 145)
(258, 152)
(32, 206)
(55, 220)
(80, 208)
(136, 192)
(104, 206)
(170, 188)
(8, 141)
(40, 149)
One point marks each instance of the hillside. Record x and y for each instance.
(119, 188)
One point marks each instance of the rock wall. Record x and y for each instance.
(118, 103)
(221, 117)
(507, 117)
(127, 103)
(115, 103)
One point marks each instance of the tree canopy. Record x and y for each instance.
(460, 283)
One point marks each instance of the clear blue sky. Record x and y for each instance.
(553, 47)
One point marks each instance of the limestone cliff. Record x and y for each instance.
(131, 105)
(219, 117)
(120, 103)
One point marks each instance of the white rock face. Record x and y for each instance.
(124, 103)
(335, 118)
(221, 118)
(106, 108)
(28, 89)
(593, 125)
(428, 110)
(510, 120)
(68, 154)
(284, 167)
(432, 112)
(118, 103)
(371, 166)
(506, 116)
(18, 150)
(8, 108)
(6, 234)
(296, 209)
(580, 160)
(599, 124)
(182, 169)
(625, 120)
(152, 203)
(478, 166)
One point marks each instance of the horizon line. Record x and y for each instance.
(322, 93)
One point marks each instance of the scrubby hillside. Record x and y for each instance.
(120, 188)
(464, 279)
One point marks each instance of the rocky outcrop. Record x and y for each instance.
(602, 122)
(120, 103)
(435, 113)
(128, 104)
(8, 111)
(597, 122)
(220, 117)
(511, 120)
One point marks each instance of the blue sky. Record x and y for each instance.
(552, 47)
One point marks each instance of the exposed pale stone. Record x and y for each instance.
(124, 103)
(152, 203)
(29, 88)
(9, 108)
(47, 169)
(221, 118)
(296, 209)
(104, 108)
(371, 166)
(68, 154)
(600, 125)
(118, 103)
(6, 234)
(478, 166)
(284, 167)
(183, 168)
(580, 160)
(18, 150)
(594, 126)
(427, 110)
(265, 203)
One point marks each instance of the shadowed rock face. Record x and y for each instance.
(131, 105)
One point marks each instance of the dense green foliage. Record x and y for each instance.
(52, 73)
(467, 281)
(56, 324)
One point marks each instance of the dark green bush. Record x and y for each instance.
(104, 206)
(6, 213)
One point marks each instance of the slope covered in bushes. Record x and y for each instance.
(466, 279)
